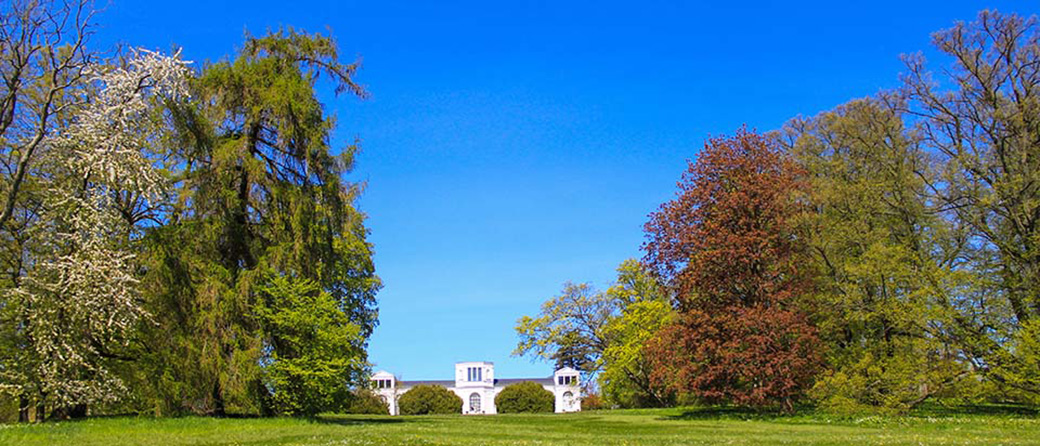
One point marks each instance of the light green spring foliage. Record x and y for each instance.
(569, 328)
(262, 222)
(882, 258)
(926, 226)
(1026, 346)
(314, 354)
(603, 333)
(981, 122)
(625, 379)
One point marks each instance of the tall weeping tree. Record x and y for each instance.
(263, 223)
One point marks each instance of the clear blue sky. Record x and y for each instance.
(508, 148)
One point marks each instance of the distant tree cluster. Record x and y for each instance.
(525, 397)
(872, 257)
(602, 334)
(175, 238)
(429, 400)
(367, 402)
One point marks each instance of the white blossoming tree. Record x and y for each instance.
(79, 297)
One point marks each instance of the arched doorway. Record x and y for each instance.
(474, 403)
(568, 401)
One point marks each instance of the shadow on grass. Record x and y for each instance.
(938, 410)
(359, 420)
(928, 410)
(734, 413)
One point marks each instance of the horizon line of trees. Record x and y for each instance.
(870, 258)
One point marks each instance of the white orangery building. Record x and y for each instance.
(476, 384)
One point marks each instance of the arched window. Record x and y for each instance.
(474, 403)
(568, 400)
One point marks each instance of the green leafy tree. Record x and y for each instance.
(625, 380)
(728, 245)
(259, 191)
(603, 333)
(644, 310)
(883, 257)
(314, 354)
(429, 400)
(364, 401)
(980, 119)
(524, 397)
(569, 329)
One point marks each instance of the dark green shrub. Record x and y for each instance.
(8, 408)
(423, 400)
(365, 401)
(524, 397)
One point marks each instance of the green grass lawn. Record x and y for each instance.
(633, 427)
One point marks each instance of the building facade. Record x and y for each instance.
(476, 384)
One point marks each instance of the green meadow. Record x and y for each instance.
(621, 427)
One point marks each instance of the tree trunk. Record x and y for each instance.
(264, 397)
(23, 408)
(75, 411)
(218, 399)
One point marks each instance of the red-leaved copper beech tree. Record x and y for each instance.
(727, 247)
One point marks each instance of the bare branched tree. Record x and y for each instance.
(43, 62)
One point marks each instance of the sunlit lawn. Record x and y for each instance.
(637, 427)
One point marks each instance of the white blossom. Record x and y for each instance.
(81, 298)
(109, 141)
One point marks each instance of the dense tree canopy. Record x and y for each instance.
(525, 397)
(429, 400)
(982, 126)
(729, 249)
(176, 240)
(882, 254)
(923, 200)
(602, 334)
(262, 226)
(183, 238)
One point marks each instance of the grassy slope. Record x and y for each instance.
(650, 427)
